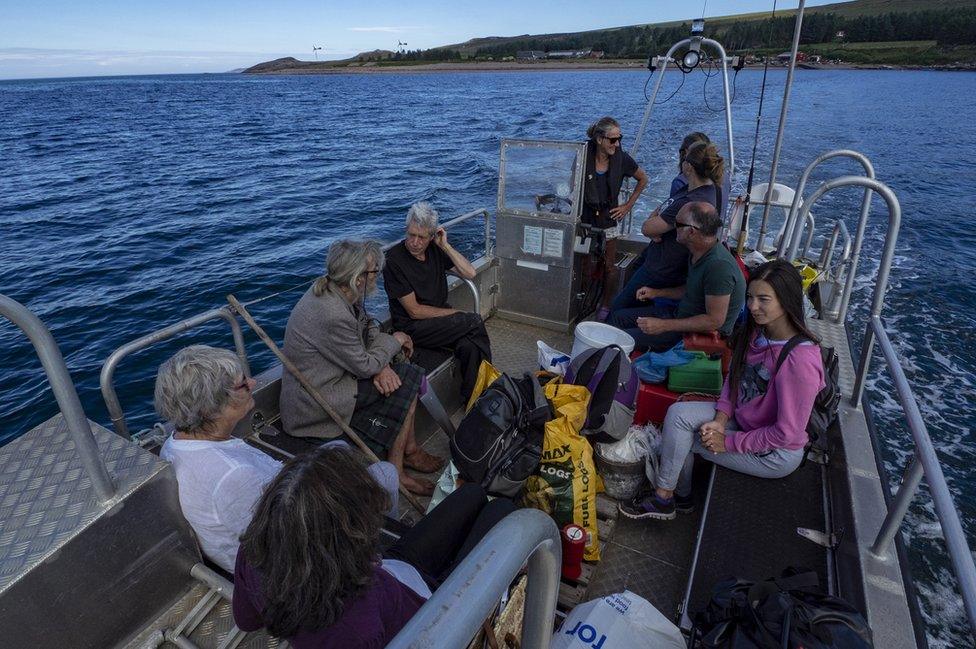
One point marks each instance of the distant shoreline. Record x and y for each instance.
(307, 67)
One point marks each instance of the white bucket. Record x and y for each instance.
(594, 335)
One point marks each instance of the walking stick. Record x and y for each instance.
(237, 306)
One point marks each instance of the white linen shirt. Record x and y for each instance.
(219, 485)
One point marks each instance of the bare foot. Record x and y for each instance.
(418, 486)
(421, 460)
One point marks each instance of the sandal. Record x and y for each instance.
(421, 460)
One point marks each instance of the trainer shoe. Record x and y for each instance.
(684, 504)
(650, 507)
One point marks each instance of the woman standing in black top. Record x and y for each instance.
(607, 164)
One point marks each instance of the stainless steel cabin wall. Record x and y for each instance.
(540, 287)
(75, 572)
(538, 272)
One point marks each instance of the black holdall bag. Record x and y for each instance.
(786, 612)
(498, 444)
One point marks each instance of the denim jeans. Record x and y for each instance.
(681, 442)
(626, 319)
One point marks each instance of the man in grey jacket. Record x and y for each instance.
(351, 363)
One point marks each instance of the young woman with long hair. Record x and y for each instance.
(758, 425)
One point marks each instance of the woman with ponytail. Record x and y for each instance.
(665, 260)
(758, 426)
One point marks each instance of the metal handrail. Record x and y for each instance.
(827, 256)
(456, 610)
(791, 239)
(927, 460)
(791, 235)
(786, 243)
(107, 376)
(65, 394)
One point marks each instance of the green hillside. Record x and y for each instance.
(949, 26)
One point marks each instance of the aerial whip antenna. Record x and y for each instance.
(744, 224)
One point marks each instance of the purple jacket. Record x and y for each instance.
(772, 411)
(371, 620)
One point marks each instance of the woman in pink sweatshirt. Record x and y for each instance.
(759, 424)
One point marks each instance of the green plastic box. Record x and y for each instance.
(700, 375)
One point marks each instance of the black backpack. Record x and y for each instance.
(824, 411)
(498, 444)
(789, 612)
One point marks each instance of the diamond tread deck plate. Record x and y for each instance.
(46, 498)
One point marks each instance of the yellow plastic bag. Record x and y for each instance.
(486, 376)
(567, 483)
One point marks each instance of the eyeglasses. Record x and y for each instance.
(678, 225)
(245, 384)
(370, 272)
(613, 140)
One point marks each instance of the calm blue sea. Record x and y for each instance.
(129, 203)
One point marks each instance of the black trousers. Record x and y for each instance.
(462, 333)
(442, 538)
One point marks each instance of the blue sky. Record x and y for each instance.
(58, 38)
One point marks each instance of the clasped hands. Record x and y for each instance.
(712, 436)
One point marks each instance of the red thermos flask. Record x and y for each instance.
(574, 541)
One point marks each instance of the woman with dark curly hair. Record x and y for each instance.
(309, 567)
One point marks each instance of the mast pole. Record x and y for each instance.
(782, 113)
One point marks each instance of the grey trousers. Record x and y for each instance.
(681, 441)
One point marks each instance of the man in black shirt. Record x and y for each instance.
(415, 277)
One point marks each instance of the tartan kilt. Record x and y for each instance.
(377, 418)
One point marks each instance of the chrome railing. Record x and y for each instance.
(790, 242)
(839, 272)
(456, 610)
(107, 376)
(926, 461)
(65, 394)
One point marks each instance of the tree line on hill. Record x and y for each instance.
(949, 27)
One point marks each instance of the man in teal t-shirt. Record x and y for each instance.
(711, 298)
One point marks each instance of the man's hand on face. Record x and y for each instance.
(440, 238)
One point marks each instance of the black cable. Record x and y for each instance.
(671, 96)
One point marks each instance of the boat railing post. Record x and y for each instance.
(960, 555)
(107, 376)
(65, 394)
(899, 507)
(456, 610)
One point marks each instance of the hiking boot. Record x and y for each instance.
(650, 507)
(684, 504)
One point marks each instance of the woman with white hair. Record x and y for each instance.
(346, 357)
(204, 393)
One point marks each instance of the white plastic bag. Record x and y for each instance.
(638, 443)
(552, 360)
(620, 621)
